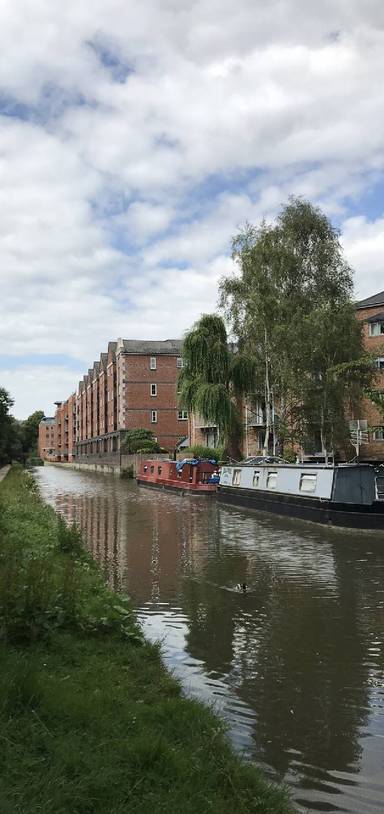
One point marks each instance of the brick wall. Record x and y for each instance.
(103, 418)
(374, 450)
(71, 412)
(47, 439)
(136, 383)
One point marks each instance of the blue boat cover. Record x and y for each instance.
(193, 462)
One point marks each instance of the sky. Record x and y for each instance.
(135, 140)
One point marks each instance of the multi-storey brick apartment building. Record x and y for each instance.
(47, 439)
(371, 312)
(132, 385)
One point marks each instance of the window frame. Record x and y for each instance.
(152, 363)
(179, 362)
(309, 478)
(236, 477)
(153, 387)
(182, 415)
(153, 416)
(256, 474)
(380, 325)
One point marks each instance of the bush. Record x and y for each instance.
(135, 440)
(289, 455)
(35, 461)
(199, 451)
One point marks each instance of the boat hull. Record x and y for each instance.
(315, 510)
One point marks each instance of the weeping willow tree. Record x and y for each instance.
(213, 378)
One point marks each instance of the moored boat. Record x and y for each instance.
(190, 476)
(347, 495)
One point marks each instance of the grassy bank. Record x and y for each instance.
(90, 720)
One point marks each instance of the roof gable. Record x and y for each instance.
(371, 302)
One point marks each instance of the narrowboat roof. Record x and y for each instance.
(305, 465)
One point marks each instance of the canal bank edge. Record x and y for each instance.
(91, 720)
(119, 465)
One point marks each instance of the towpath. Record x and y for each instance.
(3, 472)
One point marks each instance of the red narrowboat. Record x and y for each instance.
(190, 476)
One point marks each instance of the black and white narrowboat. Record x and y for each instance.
(346, 496)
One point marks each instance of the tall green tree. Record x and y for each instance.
(7, 427)
(214, 376)
(290, 307)
(30, 432)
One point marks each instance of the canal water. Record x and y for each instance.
(295, 664)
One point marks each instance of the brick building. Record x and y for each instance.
(65, 429)
(47, 439)
(371, 313)
(132, 385)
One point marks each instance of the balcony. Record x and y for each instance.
(202, 423)
(255, 418)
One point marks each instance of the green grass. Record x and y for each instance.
(90, 720)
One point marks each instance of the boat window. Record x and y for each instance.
(380, 487)
(308, 483)
(152, 470)
(271, 480)
(236, 477)
(256, 477)
(159, 470)
(145, 468)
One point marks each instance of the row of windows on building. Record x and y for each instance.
(182, 415)
(153, 362)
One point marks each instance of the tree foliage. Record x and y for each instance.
(139, 440)
(214, 374)
(7, 427)
(290, 307)
(18, 439)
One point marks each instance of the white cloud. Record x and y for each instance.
(135, 139)
(364, 246)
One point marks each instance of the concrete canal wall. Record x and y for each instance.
(115, 464)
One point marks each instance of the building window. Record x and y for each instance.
(152, 363)
(380, 487)
(378, 434)
(182, 415)
(271, 480)
(376, 328)
(380, 362)
(179, 362)
(256, 477)
(236, 477)
(153, 389)
(308, 483)
(153, 416)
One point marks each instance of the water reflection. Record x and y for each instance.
(295, 664)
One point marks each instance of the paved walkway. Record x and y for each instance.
(3, 472)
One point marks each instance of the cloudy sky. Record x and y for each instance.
(135, 137)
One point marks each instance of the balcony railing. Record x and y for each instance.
(202, 423)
